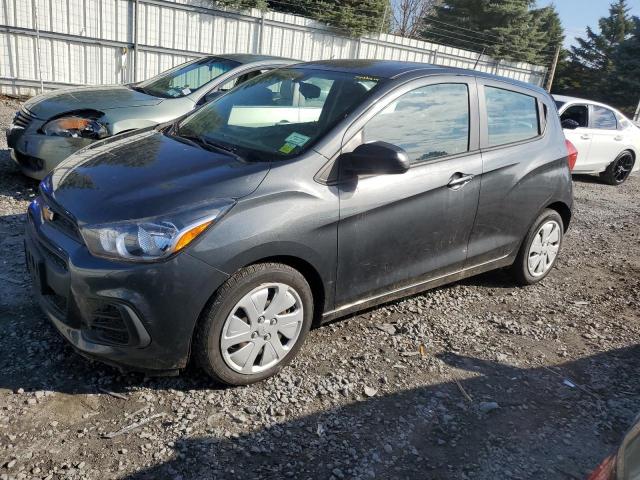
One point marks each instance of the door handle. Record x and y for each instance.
(619, 138)
(585, 136)
(459, 180)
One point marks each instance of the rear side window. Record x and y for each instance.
(603, 118)
(511, 116)
(429, 122)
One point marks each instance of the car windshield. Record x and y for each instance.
(279, 114)
(186, 78)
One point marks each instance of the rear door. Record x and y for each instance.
(521, 160)
(582, 136)
(398, 230)
(607, 141)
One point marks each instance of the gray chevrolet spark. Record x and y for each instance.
(52, 126)
(305, 194)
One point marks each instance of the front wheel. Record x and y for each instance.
(540, 248)
(255, 324)
(619, 170)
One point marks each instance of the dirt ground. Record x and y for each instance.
(476, 380)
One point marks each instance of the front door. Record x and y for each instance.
(581, 137)
(397, 230)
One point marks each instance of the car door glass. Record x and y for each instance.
(577, 113)
(603, 118)
(511, 116)
(429, 122)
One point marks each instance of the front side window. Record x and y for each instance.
(604, 118)
(186, 78)
(511, 116)
(279, 114)
(429, 122)
(577, 113)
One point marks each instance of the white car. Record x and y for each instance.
(608, 143)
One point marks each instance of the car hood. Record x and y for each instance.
(147, 174)
(88, 98)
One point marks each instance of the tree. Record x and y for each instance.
(624, 86)
(597, 60)
(549, 34)
(508, 29)
(355, 17)
(408, 16)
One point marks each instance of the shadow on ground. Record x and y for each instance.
(437, 432)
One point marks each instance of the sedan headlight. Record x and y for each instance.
(154, 238)
(75, 126)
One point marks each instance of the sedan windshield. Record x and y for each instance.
(279, 114)
(186, 78)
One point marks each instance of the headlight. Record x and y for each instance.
(155, 238)
(74, 126)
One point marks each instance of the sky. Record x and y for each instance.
(577, 14)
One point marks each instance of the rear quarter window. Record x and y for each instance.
(511, 116)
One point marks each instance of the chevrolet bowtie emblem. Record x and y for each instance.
(48, 214)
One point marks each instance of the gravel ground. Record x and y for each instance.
(476, 380)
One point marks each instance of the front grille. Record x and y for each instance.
(106, 324)
(23, 118)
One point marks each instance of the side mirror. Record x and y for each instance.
(210, 96)
(570, 124)
(376, 158)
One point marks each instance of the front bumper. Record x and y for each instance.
(137, 316)
(37, 154)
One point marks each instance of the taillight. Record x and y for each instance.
(572, 154)
(606, 470)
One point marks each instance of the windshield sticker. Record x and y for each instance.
(297, 139)
(186, 91)
(287, 148)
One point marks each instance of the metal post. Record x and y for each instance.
(136, 11)
(36, 22)
(554, 65)
(261, 34)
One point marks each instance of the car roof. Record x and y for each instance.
(568, 99)
(393, 69)
(245, 58)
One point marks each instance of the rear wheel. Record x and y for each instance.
(255, 324)
(619, 170)
(539, 251)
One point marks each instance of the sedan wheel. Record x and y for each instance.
(544, 248)
(255, 324)
(539, 250)
(262, 328)
(619, 170)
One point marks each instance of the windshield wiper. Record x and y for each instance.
(138, 89)
(208, 144)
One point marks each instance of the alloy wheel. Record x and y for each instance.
(544, 248)
(623, 168)
(262, 328)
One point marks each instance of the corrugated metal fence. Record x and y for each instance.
(55, 43)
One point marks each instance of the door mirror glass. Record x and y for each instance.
(376, 158)
(570, 124)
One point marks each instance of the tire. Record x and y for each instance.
(526, 269)
(619, 170)
(252, 342)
